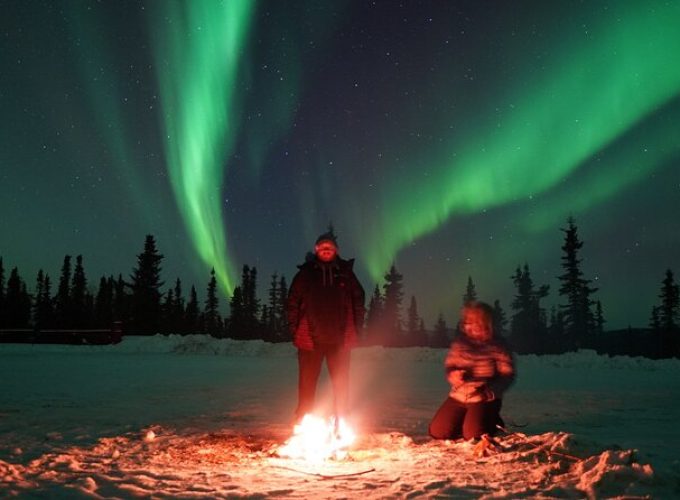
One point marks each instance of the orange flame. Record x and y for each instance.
(315, 439)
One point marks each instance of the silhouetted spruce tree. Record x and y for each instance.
(419, 336)
(412, 323)
(282, 332)
(555, 325)
(89, 308)
(528, 323)
(273, 316)
(167, 309)
(236, 323)
(269, 317)
(121, 301)
(499, 320)
(211, 313)
(103, 303)
(47, 302)
(177, 314)
(62, 300)
(655, 340)
(78, 301)
(394, 295)
(599, 318)
(440, 336)
(145, 283)
(374, 334)
(17, 302)
(192, 312)
(42, 308)
(2, 294)
(654, 321)
(668, 316)
(265, 318)
(423, 339)
(39, 284)
(470, 291)
(670, 302)
(577, 316)
(556, 340)
(251, 304)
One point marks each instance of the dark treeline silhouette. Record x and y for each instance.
(576, 323)
(140, 305)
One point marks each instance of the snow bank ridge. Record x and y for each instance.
(208, 345)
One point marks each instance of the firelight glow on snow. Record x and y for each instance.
(211, 432)
(316, 439)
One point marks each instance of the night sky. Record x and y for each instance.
(452, 138)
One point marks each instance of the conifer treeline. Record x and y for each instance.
(139, 303)
(576, 323)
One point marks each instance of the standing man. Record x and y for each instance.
(325, 312)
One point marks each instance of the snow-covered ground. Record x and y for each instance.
(198, 417)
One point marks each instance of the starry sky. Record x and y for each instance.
(452, 138)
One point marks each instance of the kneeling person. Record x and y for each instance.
(480, 369)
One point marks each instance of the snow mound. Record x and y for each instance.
(164, 344)
(205, 344)
(227, 464)
(587, 358)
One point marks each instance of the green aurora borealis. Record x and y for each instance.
(198, 56)
(588, 98)
(453, 138)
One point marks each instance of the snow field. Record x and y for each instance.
(169, 416)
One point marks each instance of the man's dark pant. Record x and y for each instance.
(309, 369)
(455, 420)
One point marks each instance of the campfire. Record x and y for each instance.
(316, 439)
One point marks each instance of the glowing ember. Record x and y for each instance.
(315, 439)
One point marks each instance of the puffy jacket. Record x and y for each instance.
(490, 363)
(325, 304)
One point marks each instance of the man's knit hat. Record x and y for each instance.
(328, 236)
